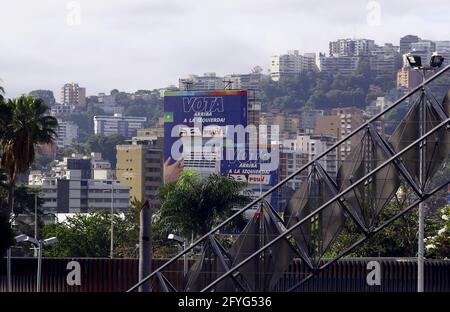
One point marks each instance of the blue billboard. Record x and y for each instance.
(212, 125)
(195, 123)
(255, 169)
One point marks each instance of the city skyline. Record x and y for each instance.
(101, 52)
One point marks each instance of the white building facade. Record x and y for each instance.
(81, 195)
(291, 64)
(126, 126)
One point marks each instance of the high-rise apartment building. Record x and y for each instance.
(405, 43)
(73, 95)
(81, 184)
(250, 82)
(291, 64)
(126, 126)
(408, 78)
(76, 195)
(314, 145)
(351, 47)
(422, 48)
(290, 162)
(443, 48)
(288, 124)
(140, 167)
(329, 125)
(385, 61)
(344, 65)
(350, 119)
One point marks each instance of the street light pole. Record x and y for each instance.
(8, 269)
(39, 268)
(182, 241)
(185, 259)
(111, 251)
(35, 220)
(39, 245)
(415, 61)
(421, 236)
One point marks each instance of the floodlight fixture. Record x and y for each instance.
(436, 60)
(25, 238)
(49, 241)
(414, 60)
(20, 238)
(175, 238)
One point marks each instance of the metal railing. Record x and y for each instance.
(391, 159)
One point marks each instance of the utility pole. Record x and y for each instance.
(415, 61)
(422, 146)
(111, 248)
(145, 246)
(35, 221)
(39, 268)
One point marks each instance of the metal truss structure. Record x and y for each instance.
(377, 170)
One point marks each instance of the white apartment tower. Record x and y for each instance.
(126, 126)
(291, 64)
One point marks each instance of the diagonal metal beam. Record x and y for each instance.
(375, 231)
(298, 251)
(290, 177)
(361, 180)
(162, 283)
(223, 263)
(335, 191)
(397, 162)
(435, 103)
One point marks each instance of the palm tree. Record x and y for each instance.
(195, 205)
(6, 234)
(26, 126)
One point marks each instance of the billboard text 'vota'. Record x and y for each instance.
(200, 115)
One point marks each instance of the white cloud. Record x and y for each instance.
(138, 44)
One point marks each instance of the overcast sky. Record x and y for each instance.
(147, 44)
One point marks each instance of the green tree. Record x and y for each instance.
(194, 204)
(438, 245)
(325, 90)
(24, 205)
(6, 234)
(399, 239)
(88, 235)
(27, 126)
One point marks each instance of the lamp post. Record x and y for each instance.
(39, 244)
(111, 246)
(35, 220)
(182, 242)
(415, 62)
(111, 249)
(35, 251)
